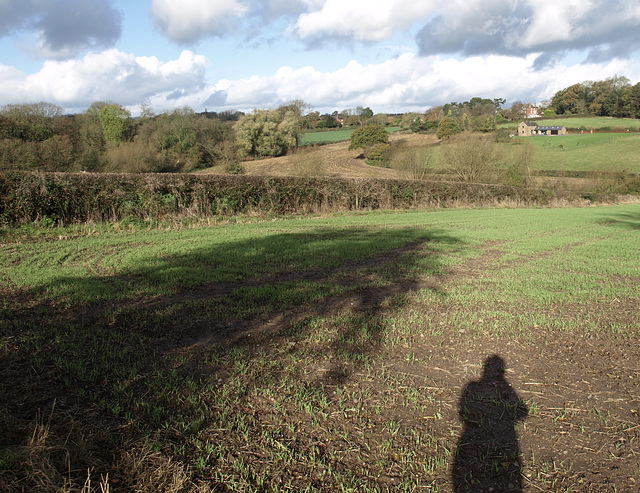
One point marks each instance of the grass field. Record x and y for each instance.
(588, 152)
(588, 123)
(343, 353)
(331, 136)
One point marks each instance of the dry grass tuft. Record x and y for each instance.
(149, 471)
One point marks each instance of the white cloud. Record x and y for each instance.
(360, 20)
(187, 21)
(110, 75)
(406, 83)
(553, 21)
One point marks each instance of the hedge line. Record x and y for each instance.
(556, 173)
(74, 198)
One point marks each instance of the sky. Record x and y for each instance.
(394, 56)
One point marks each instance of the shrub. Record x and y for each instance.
(447, 127)
(368, 135)
(415, 163)
(470, 156)
(73, 198)
(378, 154)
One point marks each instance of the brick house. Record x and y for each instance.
(532, 111)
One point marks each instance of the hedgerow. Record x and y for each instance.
(79, 197)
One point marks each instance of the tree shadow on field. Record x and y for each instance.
(112, 340)
(487, 457)
(624, 220)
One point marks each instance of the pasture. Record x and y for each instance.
(596, 123)
(332, 136)
(607, 152)
(346, 352)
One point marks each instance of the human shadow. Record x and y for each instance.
(487, 456)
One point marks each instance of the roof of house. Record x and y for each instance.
(550, 128)
(530, 124)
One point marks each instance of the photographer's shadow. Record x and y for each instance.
(488, 456)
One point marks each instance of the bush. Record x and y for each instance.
(522, 161)
(378, 155)
(470, 156)
(447, 127)
(368, 135)
(415, 163)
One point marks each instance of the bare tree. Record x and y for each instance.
(469, 156)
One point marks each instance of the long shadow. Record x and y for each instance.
(624, 220)
(487, 457)
(103, 340)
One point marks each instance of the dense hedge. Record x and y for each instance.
(72, 198)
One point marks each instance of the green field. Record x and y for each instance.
(331, 136)
(587, 123)
(588, 152)
(324, 353)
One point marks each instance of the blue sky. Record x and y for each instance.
(391, 55)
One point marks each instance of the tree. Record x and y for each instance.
(32, 122)
(368, 135)
(365, 113)
(267, 133)
(517, 111)
(485, 124)
(469, 156)
(116, 123)
(447, 127)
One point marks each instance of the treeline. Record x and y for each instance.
(614, 97)
(106, 138)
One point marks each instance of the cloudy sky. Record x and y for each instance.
(391, 55)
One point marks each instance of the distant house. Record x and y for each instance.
(532, 111)
(527, 129)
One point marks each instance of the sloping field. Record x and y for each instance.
(334, 160)
(609, 152)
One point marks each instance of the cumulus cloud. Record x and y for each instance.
(63, 27)
(358, 20)
(188, 21)
(519, 28)
(111, 75)
(407, 83)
